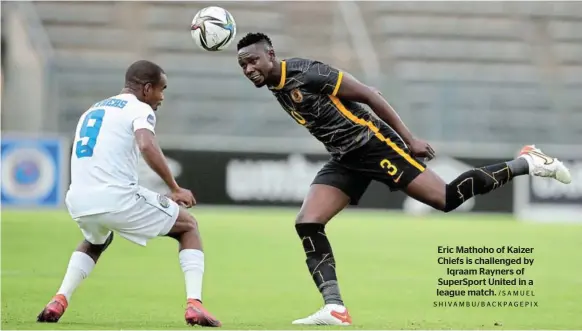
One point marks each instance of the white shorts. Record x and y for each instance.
(148, 216)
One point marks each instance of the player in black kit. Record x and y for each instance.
(364, 146)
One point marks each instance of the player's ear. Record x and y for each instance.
(147, 88)
(271, 53)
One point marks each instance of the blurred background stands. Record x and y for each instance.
(466, 72)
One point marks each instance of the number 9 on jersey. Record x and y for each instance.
(89, 133)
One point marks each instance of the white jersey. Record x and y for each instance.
(104, 159)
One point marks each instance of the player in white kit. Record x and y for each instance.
(104, 195)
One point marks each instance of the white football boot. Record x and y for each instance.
(542, 165)
(330, 314)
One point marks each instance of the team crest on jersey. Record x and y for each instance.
(163, 201)
(296, 95)
(152, 120)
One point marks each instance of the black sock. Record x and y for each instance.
(320, 261)
(481, 181)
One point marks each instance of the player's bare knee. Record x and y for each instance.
(93, 250)
(299, 219)
(438, 199)
(185, 231)
(184, 223)
(310, 218)
(429, 189)
(440, 203)
(191, 225)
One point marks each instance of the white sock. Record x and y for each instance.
(80, 266)
(192, 263)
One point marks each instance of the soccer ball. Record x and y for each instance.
(213, 29)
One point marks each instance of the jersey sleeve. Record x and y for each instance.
(323, 79)
(144, 118)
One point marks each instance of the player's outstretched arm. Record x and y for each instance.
(154, 157)
(352, 89)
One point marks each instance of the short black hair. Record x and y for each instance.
(142, 72)
(253, 38)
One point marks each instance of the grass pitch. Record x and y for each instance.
(256, 277)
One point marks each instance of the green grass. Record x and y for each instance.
(256, 276)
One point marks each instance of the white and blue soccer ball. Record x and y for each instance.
(213, 28)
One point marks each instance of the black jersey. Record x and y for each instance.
(307, 92)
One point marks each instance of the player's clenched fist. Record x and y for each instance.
(183, 197)
(421, 148)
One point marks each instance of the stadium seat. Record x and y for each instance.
(453, 70)
(447, 26)
(71, 12)
(88, 37)
(463, 50)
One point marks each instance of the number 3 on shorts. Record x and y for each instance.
(90, 129)
(390, 168)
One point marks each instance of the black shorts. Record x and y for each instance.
(385, 158)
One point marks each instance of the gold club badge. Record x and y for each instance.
(296, 96)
